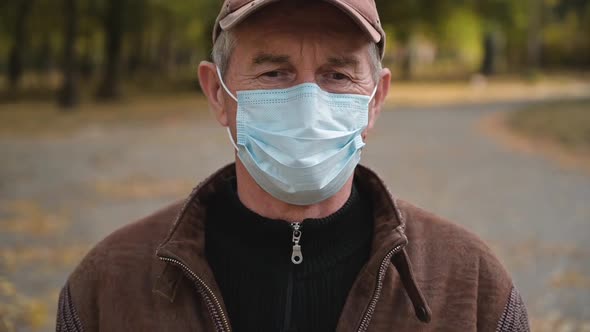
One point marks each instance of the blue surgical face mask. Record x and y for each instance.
(300, 144)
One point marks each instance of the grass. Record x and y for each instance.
(566, 124)
(558, 130)
(481, 90)
(41, 119)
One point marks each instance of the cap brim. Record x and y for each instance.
(243, 12)
(358, 18)
(240, 14)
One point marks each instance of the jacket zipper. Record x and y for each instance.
(382, 270)
(289, 301)
(296, 255)
(296, 258)
(213, 304)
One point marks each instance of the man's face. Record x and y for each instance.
(287, 44)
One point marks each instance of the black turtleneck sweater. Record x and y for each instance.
(262, 289)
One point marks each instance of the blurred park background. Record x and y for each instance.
(487, 124)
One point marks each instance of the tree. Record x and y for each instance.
(68, 93)
(409, 17)
(489, 61)
(113, 26)
(534, 38)
(15, 60)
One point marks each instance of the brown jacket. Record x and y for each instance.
(153, 275)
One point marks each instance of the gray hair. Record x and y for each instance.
(222, 50)
(226, 42)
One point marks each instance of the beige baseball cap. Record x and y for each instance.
(363, 12)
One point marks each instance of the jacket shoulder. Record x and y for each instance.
(431, 234)
(121, 259)
(456, 268)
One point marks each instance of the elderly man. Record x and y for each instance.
(295, 236)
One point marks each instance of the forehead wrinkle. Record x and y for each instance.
(263, 57)
(343, 61)
(307, 37)
(310, 49)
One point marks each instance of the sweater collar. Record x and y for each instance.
(246, 236)
(185, 242)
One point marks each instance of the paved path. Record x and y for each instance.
(58, 196)
(535, 214)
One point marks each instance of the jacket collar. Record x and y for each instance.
(186, 242)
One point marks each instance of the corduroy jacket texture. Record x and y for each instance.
(423, 274)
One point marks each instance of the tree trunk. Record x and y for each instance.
(488, 65)
(534, 39)
(87, 65)
(407, 62)
(165, 50)
(68, 93)
(109, 87)
(406, 54)
(135, 60)
(15, 60)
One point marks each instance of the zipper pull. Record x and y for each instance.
(297, 255)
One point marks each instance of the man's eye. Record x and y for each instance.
(337, 76)
(272, 74)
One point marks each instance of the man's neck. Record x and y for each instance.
(264, 204)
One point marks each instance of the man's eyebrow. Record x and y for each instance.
(263, 58)
(343, 61)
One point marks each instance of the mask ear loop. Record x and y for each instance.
(373, 95)
(231, 139)
(374, 92)
(225, 86)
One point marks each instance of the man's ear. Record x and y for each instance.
(211, 87)
(380, 95)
